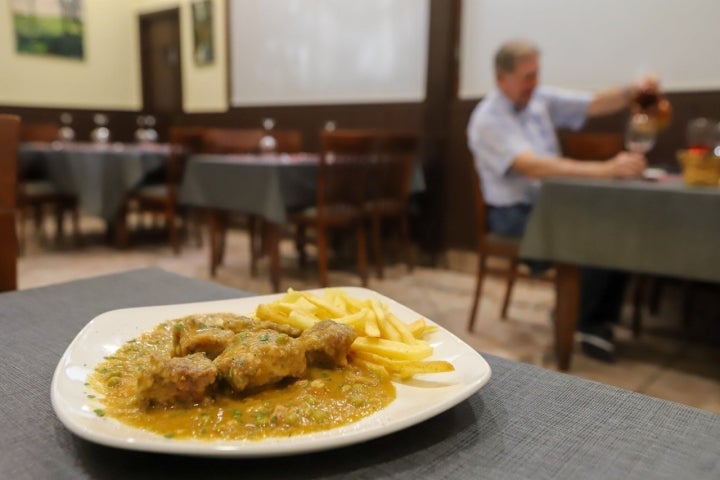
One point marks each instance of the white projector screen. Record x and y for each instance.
(591, 44)
(294, 52)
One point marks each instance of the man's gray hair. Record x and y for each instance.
(509, 53)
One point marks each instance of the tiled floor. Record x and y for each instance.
(662, 363)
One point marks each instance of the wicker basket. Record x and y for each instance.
(699, 168)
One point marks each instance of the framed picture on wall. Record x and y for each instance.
(202, 20)
(48, 27)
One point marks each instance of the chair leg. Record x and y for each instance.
(213, 227)
(655, 295)
(253, 233)
(172, 229)
(478, 291)
(300, 241)
(322, 255)
(75, 215)
(121, 228)
(377, 245)
(20, 229)
(59, 223)
(362, 253)
(406, 244)
(508, 289)
(637, 306)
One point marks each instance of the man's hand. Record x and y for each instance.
(626, 165)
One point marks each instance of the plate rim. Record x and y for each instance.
(272, 446)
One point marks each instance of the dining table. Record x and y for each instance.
(266, 185)
(101, 175)
(662, 227)
(526, 422)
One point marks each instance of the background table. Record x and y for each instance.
(266, 185)
(657, 228)
(525, 423)
(101, 176)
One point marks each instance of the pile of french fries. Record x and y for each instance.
(385, 344)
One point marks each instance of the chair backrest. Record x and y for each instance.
(393, 165)
(9, 141)
(287, 141)
(231, 140)
(345, 158)
(39, 132)
(191, 138)
(591, 146)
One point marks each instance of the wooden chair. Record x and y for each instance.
(492, 245)
(9, 141)
(240, 140)
(34, 195)
(389, 190)
(590, 145)
(231, 140)
(162, 199)
(341, 193)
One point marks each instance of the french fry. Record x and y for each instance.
(385, 344)
(271, 314)
(401, 328)
(301, 320)
(393, 349)
(373, 367)
(354, 319)
(403, 368)
(387, 329)
(371, 325)
(331, 309)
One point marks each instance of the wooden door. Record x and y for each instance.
(160, 62)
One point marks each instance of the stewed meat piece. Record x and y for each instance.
(260, 357)
(176, 380)
(200, 333)
(240, 324)
(327, 343)
(211, 333)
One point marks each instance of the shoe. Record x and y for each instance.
(598, 344)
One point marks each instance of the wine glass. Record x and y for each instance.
(140, 131)
(67, 134)
(151, 134)
(268, 142)
(640, 134)
(100, 134)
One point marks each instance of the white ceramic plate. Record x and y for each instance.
(417, 400)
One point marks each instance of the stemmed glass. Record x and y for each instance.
(268, 142)
(67, 134)
(640, 134)
(100, 134)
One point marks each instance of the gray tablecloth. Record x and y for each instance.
(268, 185)
(101, 176)
(264, 185)
(525, 423)
(657, 228)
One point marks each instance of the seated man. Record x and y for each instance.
(511, 134)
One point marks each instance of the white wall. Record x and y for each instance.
(293, 52)
(592, 44)
(108, 76)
